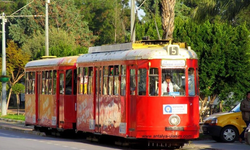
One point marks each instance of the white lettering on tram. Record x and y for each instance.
(173, 63)
(175, 109)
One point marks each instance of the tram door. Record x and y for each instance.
(132, 99)
(98, 79)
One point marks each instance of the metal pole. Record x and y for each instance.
(46, 29)
(4, 111)
(132, 29)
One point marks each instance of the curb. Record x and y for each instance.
(20, 128)
(12, 120)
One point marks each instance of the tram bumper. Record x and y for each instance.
(211, 130)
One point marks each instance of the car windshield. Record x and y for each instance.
(236, 108)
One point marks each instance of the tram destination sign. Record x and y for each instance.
(173, 63)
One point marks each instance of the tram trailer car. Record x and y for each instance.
(50, 94)
(120, 93)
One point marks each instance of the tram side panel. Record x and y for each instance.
(112, 116)
(194, 116)
(47, 110)
(30, 109)
(85, 113)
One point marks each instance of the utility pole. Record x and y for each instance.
(4, 78)
(4, 111)
(46, 29)
(132, 26)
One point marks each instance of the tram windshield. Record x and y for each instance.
(173, 82)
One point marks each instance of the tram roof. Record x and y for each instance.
(61, 61)
(135, 51)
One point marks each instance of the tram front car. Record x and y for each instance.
(168, 112)
(158, 95)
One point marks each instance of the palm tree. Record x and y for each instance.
(227, 9)
(167, 7)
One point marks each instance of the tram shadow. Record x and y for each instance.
(107, 141)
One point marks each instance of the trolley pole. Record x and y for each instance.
(47, 29)
(4, 111)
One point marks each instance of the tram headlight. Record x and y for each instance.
(174, 120)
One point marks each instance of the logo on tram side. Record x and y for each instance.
(168, 109)
(175, 109)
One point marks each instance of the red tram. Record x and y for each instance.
(142, 91)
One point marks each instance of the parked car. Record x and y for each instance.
(224, 127)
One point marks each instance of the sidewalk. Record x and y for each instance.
(14, 125)
(15, 111)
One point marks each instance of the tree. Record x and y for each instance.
(17, 89)
(242, 17)
(16, 60)
(166, 10)
(63, 15)
(108, 19)
(223, 53)
(225, 9)
(8, 7)
(60, 45)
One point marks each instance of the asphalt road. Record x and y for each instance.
(16, 136)
(213, 145)
(13, 140)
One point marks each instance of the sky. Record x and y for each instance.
(141, 13)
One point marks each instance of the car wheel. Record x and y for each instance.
(216, 138)
(229, 134)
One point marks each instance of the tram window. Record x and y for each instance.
(80, 88)
(142, 76)
(111, 80)
(54, 81)
(153, 82)
(50, 82)
(46, 82)
(85, 80)
(43, 82)
(197, 82)
(61, 83)
(28, 83)
(98, 79)
(132, 82)
(33, 82)
(191, 83)
(105, 81)
(173, 82)
(116, 80)
(123, 80)
(100, 82)
(90, 73)
(68, 82)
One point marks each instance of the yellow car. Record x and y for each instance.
(226, 126)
